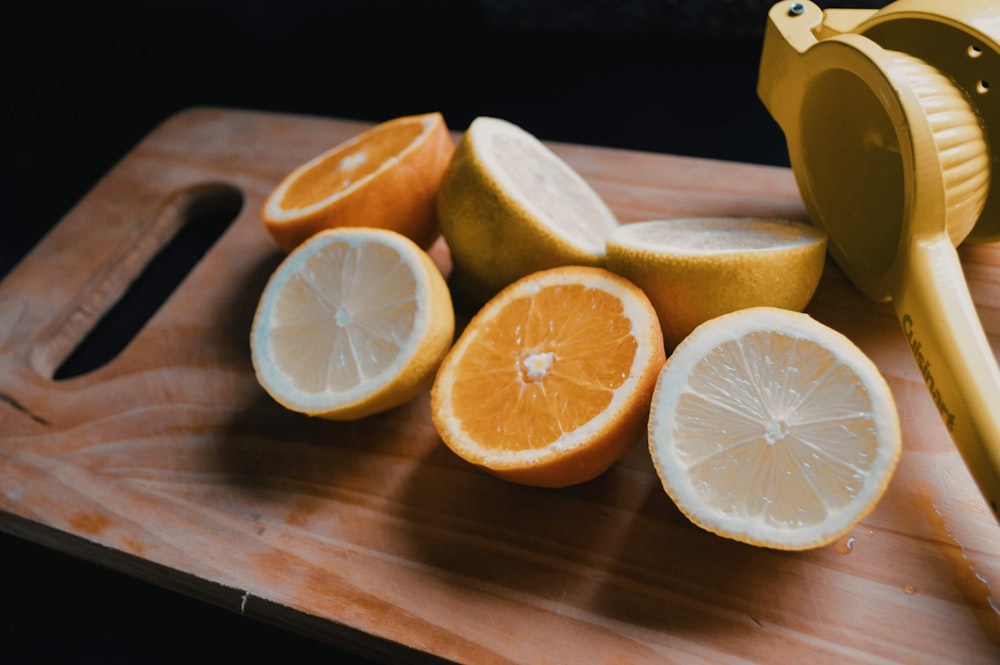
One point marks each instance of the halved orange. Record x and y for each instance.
(550, 382)
(386, 177)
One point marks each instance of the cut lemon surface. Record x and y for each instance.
(696, 269)
(509, 206)
(770, 428)
(550, 382)
(386, 177)
(353, 322)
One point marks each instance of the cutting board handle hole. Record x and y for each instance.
(198, 217)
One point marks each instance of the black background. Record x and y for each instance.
(86, 81)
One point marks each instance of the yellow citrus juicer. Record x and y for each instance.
(893, 134)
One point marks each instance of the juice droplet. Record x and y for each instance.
(909, 589)
(973, 585)
(845, 545)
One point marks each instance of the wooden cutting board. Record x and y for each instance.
(169, 462)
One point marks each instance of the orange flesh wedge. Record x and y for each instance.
(539, 351)
(344, 168)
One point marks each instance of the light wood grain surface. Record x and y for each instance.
(170, 463)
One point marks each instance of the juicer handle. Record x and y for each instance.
(946, 337)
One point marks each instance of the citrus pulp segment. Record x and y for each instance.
(549, 383)
(385, 177)
(509, 206)
(768, 427)
(353, 322)
(695, 269)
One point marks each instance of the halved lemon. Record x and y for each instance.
(694, 269)
(771, 428)
(509, 206)
(353, 322)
